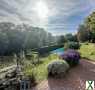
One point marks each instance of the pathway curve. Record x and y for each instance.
(75, 80)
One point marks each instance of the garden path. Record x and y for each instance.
(75, 80)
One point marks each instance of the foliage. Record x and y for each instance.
(66, 38)
(57, 68)
(72, 45)
(71, 56)
(70, 37)
(16, 38)
(86, 31)
(61, 39)
(90, 24)
(83, 34)
(39, 70)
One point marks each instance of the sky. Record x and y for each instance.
(56, 16)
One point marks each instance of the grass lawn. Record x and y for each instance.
(88, 51)
(40, 70)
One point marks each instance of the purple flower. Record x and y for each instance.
(71, 56)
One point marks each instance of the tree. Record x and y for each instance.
(70, 37)
(61, 39)
(90, 24)
(75, 39)
(16, 38)
(83, 34)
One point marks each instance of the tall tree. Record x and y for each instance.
(90, 24)
(61, 39)
(83, 33)
(15, 38)
(70, 37)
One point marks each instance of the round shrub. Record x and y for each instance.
(72, 45)
(71, 56)
(58, 68)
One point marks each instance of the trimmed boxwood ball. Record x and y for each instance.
(71, 56)
(58, 68)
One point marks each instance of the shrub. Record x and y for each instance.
(71, 56)
(72, 45)
(58, 68)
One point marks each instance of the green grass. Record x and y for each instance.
(40, 70)
(88, 51)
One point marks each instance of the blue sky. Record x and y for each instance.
(58, 16)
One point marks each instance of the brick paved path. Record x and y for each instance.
(75, 80)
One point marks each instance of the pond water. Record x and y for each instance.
(58, 51)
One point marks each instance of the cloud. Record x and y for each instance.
(64, 15)
(70, 14)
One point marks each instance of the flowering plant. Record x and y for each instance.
(71, 56)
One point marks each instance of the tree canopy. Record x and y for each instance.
(15, 38)
(86, 31)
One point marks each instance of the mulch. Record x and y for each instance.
(74, 80)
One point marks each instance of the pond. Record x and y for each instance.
(58, 51)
